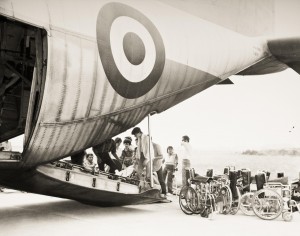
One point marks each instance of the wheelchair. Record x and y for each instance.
(205, 195)
(196, 196)
(223, 193)
(244, 185)
(275, 199)
(229, 195)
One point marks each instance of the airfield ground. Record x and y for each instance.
(30, 214)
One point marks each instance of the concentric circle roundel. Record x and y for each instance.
(131, 49)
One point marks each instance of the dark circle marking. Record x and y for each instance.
(123, 86)
(134, 48)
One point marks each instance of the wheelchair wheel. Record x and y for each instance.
(193, 200)
(207, 206)
(225, 201)
(212, 203)
(267, 204)
(235, 206)
(184, 200)
(246, 204)
(287, 216)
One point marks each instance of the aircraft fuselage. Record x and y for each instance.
(102, 69)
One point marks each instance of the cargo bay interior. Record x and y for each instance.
(23, 61)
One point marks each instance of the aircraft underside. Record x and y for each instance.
(64, 180)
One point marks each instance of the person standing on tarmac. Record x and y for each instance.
(187, 157)
(157, 167)
(171, 162)
(187, 148)
(142, 153)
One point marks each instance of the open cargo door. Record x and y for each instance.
(23, 57)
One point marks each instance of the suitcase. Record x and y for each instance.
(233, 180)
(260, 179)
(246, 175)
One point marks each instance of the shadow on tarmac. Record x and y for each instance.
(62, 208)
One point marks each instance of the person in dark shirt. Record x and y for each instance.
(127, 153)
(118, 142)
(102, 152)
(78, 158)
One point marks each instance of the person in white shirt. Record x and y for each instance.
(187, 157)
(88, 162)
(143, 153)
(187, 148)
(171, 162)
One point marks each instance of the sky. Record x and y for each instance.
(257, 112)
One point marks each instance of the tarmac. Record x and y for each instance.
(30, 214)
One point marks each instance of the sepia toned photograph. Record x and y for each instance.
(149, 117)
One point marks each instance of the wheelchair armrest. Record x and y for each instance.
(201, 179)
(282, 180)
(273, 185)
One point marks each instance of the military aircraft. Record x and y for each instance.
(75, 73)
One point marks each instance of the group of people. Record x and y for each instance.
(111, 158)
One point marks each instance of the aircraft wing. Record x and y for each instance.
(284, 53)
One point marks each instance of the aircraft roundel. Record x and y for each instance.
(131, 49)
